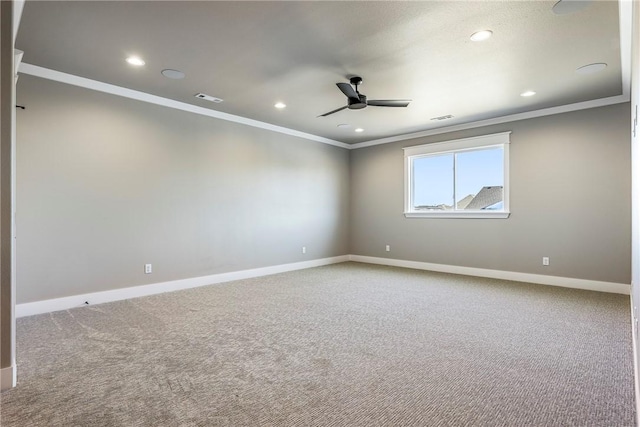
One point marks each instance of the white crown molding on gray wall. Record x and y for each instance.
(602, 102)
(71, 79)
(61, 77)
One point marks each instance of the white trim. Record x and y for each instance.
(70, 79)
(8, 377)
(17, 59)
(459, 144)
(630, 21)
(595, 103)
(566, 282)
(458, 214)
(64, 303)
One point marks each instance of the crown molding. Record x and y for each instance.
(71, 79)
(498, 120)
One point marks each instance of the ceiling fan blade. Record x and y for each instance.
(334, 111)
(389, 102)
(348, 90)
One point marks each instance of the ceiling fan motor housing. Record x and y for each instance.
(358, 104)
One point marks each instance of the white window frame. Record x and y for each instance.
(456, 146)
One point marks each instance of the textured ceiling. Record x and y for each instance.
(253, 54)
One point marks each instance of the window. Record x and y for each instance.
(464, 178)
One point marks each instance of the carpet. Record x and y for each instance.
(342, 345)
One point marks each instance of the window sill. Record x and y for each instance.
(460, 214)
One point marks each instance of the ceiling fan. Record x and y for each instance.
(357, 101)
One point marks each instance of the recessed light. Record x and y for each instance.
(565, 7)
(528, 93)
(481, 35)
(135, 60)
(591, 68)
(344, 125)
(280, 105)
(359, 130)
(173, 74)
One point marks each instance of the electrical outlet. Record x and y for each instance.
(148, 269)
(545, 260)
(387, 248)
(304, 249)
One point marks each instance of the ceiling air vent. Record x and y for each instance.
(208, 97)
(447, 117)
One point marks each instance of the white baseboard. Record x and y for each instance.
(56, 304)
(8, 377)
(64, 303)
(566, 282)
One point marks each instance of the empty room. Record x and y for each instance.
(319, 213)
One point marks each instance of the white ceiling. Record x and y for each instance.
(253, 54)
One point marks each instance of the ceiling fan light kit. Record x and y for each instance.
(358, 101)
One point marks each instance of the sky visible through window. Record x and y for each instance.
(433, 175)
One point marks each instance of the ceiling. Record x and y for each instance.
(254, 54)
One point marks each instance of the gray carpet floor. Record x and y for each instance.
(342, 345)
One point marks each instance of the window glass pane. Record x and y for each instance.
(433, 182)
(480, 179)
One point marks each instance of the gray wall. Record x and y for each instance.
(570, 200)
(106, 184)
